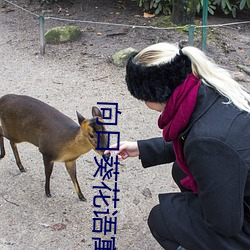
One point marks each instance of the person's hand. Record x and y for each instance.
(126, 149)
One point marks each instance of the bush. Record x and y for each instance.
(156, 6)
(165, 6)
(232, 6)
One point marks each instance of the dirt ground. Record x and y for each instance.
(75, 76)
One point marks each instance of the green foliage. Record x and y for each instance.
(244, 4)
(226, 6)
(211, 7)
(165, 6)
(158, 6)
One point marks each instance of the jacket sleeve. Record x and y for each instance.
(220, 173)
(155, 151)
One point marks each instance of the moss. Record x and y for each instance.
(121, 58)
(63, 34)
(163, 22)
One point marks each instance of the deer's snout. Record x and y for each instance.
(107, 155)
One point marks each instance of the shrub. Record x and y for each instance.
(157, 6)
(165, 6)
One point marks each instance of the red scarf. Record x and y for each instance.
(174, 119)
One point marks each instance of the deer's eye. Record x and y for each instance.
(91, 136)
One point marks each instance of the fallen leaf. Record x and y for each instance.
(146, 192)
(58, 227)
(147, 15)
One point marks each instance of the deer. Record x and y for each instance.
(58, 138)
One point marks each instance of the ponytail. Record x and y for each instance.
(218, 78)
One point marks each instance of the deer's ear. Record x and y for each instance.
(80, 118)
(96, 112)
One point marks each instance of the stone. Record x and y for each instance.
(147, 193)
(239, 76)
(121, 58)
(244, 68)
(63, 34)
(2, 3)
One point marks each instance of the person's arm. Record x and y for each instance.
(126, 149)
(155, 151)
(220, 173)
(152, 152)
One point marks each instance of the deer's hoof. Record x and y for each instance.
(82, 198)
(48, 195)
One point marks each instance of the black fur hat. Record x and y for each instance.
(156, 83)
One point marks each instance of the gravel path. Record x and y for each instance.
(74, 77)
(70, 80)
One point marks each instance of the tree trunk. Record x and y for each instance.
(183, 11)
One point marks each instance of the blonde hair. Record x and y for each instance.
(202, 67)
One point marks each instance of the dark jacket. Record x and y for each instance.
(216, 145)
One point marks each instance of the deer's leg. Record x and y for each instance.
(18, 161)
(1, 144)
(48, 165)
(71, 168)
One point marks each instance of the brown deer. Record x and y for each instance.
(59, 138)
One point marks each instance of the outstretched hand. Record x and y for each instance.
(126, 149)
